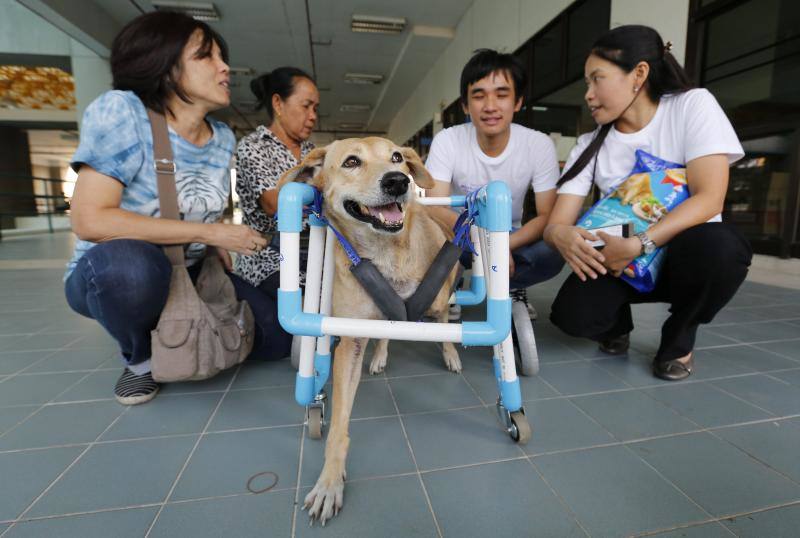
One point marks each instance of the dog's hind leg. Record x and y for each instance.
(325, 500)
(379, 357)
(449, 351)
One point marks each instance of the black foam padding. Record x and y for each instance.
(382, 293)
(432, 282)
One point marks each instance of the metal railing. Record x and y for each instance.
(44, 205)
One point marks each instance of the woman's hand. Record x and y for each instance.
(570, 241)
(225, 258)
(619, 252)
(236, 237)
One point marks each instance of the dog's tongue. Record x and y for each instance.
(390, 212)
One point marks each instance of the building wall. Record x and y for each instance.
(507, 24)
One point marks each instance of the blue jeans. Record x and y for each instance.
(124, 284)
(533, 263)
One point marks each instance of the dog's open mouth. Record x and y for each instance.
(388, 217)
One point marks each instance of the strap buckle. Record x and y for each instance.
(164, 166)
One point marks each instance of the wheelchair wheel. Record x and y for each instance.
(525, 354)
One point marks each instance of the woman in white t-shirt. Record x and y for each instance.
(642, 99)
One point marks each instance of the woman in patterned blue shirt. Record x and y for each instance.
(119, 274)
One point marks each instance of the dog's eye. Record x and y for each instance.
(351, 162)
(396, 157)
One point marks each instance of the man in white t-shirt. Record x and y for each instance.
(468, 156)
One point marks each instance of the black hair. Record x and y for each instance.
(625, 47)
(146, 55)
(487, 61)
(280, 81)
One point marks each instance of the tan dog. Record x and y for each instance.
(365, 183)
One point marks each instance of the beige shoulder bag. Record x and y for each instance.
(202, 330)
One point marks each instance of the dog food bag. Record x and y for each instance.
(653, 188)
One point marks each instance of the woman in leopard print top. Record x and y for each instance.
(291, 99)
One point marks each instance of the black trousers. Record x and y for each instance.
(704, 267)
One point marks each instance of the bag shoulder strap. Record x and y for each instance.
(165, 175)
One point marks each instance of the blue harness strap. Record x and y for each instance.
(316, 210)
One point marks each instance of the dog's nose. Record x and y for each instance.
(395, 183)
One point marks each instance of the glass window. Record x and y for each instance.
(586, 23)
(758, 190)
(547, 64)
(754, 68)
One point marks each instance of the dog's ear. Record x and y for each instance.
(421, 176)
(308, 171)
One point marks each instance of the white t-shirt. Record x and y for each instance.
(529, 160)
(685, 126)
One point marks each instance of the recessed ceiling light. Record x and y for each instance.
(355, 107)
(198, 11)
(362, 78)
(242, 71)
(351, 126)
(377, 25)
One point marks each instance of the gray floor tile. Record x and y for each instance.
(720, 478)
(10, 416)
(399, 501)
(635, 369)
(269, 514)
(372, 400)
(414, 358)
(35, 389)
(579, 378)
(432, 393)
(706, 405)
(257, 374)
(560, 425)
(776, 523)
(377, 448)
(754, 358)
(15, 361)
(257, 408)
(218, 383)
(787, 348)
(483, 382)
(472, 436)
(707, 530)
(550, 350)
(116, 475)
(790, 376)
(131, 523)
(98, 385)
(62, 425)
(758, 332)
(224, 462)
(713, 364)
(526, 506)
(72, 359)
(728, 316)
(165, 415)
(95, 339)
(774, 396)
(711, 337)
(773, 443)
(30, 473)
(44, 341)
(614, 493)
(632, 415)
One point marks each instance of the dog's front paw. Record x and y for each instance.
(325, 500)
(451, 359)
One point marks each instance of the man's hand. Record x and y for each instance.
(619, 252)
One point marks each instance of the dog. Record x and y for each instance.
(368, 199)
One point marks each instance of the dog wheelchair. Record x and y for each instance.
(489, 210)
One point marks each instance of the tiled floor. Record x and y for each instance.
(615, 452)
